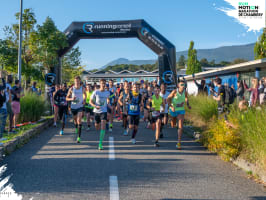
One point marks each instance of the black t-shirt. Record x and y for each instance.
(221, 92)
(15, 92)
(60, 98)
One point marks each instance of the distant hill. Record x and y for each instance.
(225, 53)
(120, 61)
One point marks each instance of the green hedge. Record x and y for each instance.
(32, 107)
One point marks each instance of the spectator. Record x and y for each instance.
(8, 91)
(262, 90)
(240, 91)
(219, 96)
(3, 111)
(254, 96)
(34, 89)
(202, 88)
(16, 91)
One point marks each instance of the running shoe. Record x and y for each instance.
(61, 132)
(100, 147)
(55, 124)
(178, 145)
(133, 140)
(125, 133)
(110, 129)
(78, 140)
(88, 128)
(156, 144)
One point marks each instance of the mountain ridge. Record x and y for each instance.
(223, 53)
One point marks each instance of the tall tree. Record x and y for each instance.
(193, 65)
(45, 43)
(8, 56)
(70, 65)
(181, 61)
(260, 46)
(28, 24)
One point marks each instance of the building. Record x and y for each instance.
(130, 76)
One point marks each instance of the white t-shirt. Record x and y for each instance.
(100, 99)
(164, 96)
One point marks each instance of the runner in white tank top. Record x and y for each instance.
(77, 96)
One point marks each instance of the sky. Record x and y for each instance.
(180, 21)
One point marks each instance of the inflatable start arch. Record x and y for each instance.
(125, 29)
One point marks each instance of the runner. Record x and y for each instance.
(134, 103)
(146, 97)
(61, 103)
(56, 108)
(110, 108)
(77, 96)
(100, 100)
(123, 102)
(112, 90)
(157, 104)
(177, 100)
(164, 112)
(88, 107)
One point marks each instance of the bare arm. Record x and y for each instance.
(169, 98)
(84, 96)
(120, 99)
(69, 94)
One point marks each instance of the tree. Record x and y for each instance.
(12, 33)
(181, 61)
(8, 56)
(46, 42)
(238, 60)
(260, 46)
(204, 62)
(193, 65)
(70, 64)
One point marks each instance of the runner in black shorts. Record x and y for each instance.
(123, 102)
(88, 107)
(100, 100)
(157, 103)
(61, 103)
(134, 104)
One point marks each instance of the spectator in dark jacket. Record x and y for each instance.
(202, 88)
(240, 91)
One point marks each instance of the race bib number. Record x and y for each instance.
(155, 113)
(133, 108)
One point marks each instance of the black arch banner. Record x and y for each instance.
(126, 29)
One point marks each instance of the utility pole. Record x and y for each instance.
(20, 41)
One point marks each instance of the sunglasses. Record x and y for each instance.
(182, 84)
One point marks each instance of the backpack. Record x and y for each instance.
(229, 96)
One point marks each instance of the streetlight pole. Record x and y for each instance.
(20, 41)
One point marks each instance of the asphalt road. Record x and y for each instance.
(56, 167)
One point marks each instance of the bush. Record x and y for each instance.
(203, 107)
(221, 138)
(247, 138)
(32, 107)
(253, 135)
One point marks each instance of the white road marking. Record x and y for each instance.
(111, 149)
(114, 192)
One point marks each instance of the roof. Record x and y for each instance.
(246, 66)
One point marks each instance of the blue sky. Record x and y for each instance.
(180, 21)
